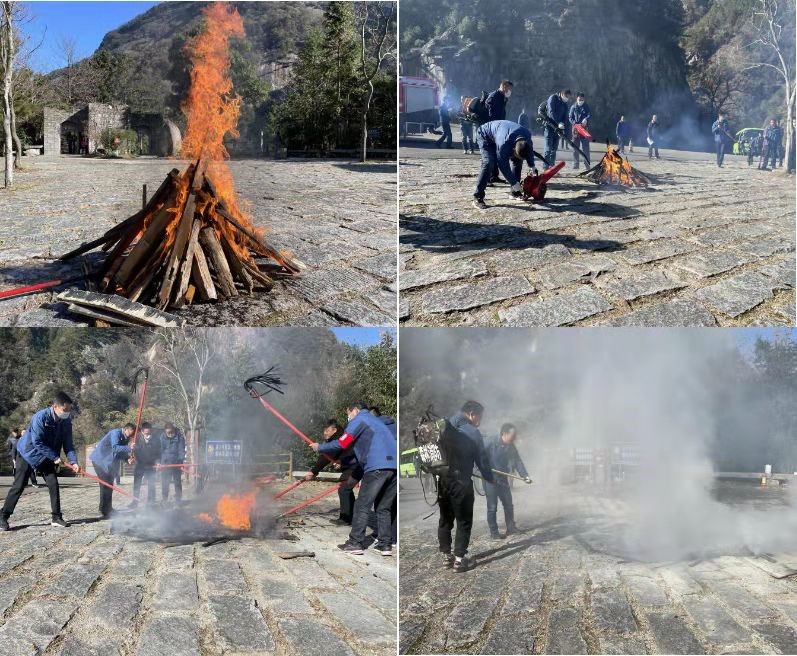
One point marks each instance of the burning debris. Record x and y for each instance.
(192, 241)
(614, 169)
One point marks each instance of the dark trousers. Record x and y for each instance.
(720, 153)
(455, 498)
(172, 474)
(489, 166)
(22, 473)
(447, 136)
(551, 145)
(653, 148)
(504, 493)
(373, 525)
(140, 473)
(377, 491)
(582, 143)
(106, 493)
(346, 497)
(773, 155)
(621, 145)
(764, 158)
(467, 138)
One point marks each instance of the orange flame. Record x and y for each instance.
(234, 510)
(615, 169)
(205, 517)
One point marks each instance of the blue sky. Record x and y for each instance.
(361, 336)
(86, 22)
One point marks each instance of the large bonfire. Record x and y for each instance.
(193, 239)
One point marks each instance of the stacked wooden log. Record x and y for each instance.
(185, 245)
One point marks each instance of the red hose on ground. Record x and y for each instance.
(313, 499)
(288, 489)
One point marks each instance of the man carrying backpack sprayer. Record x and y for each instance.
(376, 450)
(504, 458)
(506, 145)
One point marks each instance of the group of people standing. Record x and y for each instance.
(38, 451)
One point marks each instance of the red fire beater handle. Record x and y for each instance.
(313, 499)
(274, 411)
(83, 472)
(29, 289)
(288, 489)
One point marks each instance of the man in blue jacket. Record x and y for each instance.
(504, 458)
(557, 108)
(107, 459)
(623, 133)
(455, 489)
(39, 449)
(495, 104)
(507, 145)
(580, 114)
(720, 130)
(172, 453)
(445, 123)
(376, 450)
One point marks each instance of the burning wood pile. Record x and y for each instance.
(186, 245)
(614, 169)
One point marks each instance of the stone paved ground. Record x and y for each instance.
(557, 589)
(338, 217)
(83, 591)
(701, 246)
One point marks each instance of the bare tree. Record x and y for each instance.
(185, 356)
(6, 61)
(772, 47)
(68, 51)
(377, 27)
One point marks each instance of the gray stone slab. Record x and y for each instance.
(736, 295)
(477, 294)
(781, 636)
(568, 587)
(404, 309)
(382, 266)
(731, 233)
(177, 591)
(285, 596)
(559, 310)
(564, 634)
(466, 621)
(316, 286)
(357, 312)
(223, 577)
(117, 604)
(11, 588)
(512, 634)
(672, 635)
(31, 630)
(457, 270)
(712, 262)
(136, 563)
(782, 272)
(715, 624)
(788, 312)
(510, 261)
(169, 635)
(639, 284)
(311, 638)
(239, 625)
(612, 644)
(679, 312)
(365, 623)
(766, 246)
(739, 600)
(574, 270)
(74, 580)
(653, 251)
(612, 612)
(177, 558)
(646, 591)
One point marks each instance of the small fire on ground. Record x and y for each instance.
(614, 169)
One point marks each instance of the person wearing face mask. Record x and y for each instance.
(503, 457)
(505, 145)
(375, 448)
(496, 111)
(455, 489)
(107, 458)
(557, 108)
(345, 463)
(580, 114)
(147, 454)
(39, 449)
(172, 453)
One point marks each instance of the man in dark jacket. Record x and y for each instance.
(506, 145)
(623, 133)
(503, 457)
(721, 137)
(376, 451)
(345, 464)
(557, 110)
(653, 131)
(445, 123)
(40, 448)
(496, 111)
(580, 114)
(775, 139)
(172, 453)
(147, 454)
(107, 457)
(455, 490)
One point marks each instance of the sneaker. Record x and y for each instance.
(496, 536)
(447, 557)
(4, 524)
(461, 564)
(479, 204)
(59, 522)
(351, 548)
(339, 521)
(384, 550)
